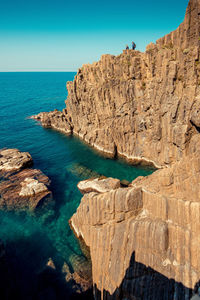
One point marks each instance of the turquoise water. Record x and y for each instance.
(65, 160)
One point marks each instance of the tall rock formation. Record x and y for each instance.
(144, 239)
(139, 105)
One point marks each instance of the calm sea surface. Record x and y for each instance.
(65, 160)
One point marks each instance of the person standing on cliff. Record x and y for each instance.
(133, 45)
(127, 47)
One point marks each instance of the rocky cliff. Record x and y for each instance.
(144, 239)
(142, 106)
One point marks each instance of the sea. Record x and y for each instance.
(65, 160)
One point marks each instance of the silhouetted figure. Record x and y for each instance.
(127, 47)
(133, 45)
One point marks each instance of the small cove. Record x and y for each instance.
(65, 160)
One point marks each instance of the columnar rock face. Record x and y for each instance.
(144, 239)
(98, 185)
(139, 105)
(20, 186)
(156, 220)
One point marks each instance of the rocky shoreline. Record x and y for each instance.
(143, 239)
(25, 189)
(58, 120)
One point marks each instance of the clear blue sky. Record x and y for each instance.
(61, 35)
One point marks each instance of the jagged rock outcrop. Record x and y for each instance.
(54, 119)
(143, 239)
(20, 186)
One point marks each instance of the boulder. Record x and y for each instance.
(98, 185)
(20, 186)
(14, 160)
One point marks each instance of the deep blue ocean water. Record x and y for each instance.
(65, 160)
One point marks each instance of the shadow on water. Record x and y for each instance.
(24, 273)
(144, 283)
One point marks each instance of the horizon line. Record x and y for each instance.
(26, 71)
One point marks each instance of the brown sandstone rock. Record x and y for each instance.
(14, 160)
(98, 185)
(20, 187)
(31, 187)
(157, 220)
(54, 119)
(138, 105)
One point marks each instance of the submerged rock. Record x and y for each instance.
(83, 171)
(24, 276)
(77, 277)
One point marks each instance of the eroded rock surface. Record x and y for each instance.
(156, 221)
(14, 160)
(54, 119)
(20, 186)
(99, 185)
(32, 187)
(143, 239)
(138, 105)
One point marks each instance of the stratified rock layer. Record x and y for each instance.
(20, 186)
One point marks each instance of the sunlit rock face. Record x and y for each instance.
(156, 220)
(142, 106)
(144, 239)
(14, 160)
(98, 185)
(20, 186)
